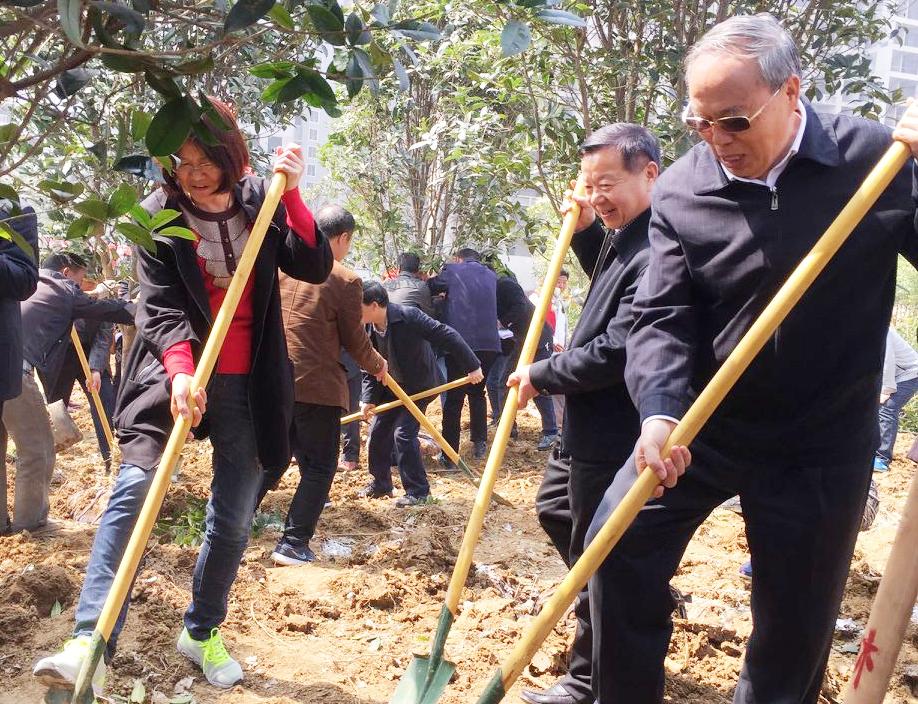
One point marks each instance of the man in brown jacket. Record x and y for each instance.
(320, 319)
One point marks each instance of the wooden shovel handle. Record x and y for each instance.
(93, 394)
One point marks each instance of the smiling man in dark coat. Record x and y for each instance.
(620, 163)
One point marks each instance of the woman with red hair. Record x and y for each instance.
(247, 405)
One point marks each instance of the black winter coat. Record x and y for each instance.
(174, 307)
(601, 420)
(18, 279)
(720, 251)
(408, 346)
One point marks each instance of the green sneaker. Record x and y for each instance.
(61, 669)
(211, 656)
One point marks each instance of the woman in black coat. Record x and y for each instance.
(247, 405)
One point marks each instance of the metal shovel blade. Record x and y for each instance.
(414, 687)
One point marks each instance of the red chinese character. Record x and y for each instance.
(865, 656)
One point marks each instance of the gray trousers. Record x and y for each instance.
(26, 420)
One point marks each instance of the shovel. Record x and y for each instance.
(697, 415)
(405, 399)
(383, 407)
(141, 533)
(96, 399)
(426, 678)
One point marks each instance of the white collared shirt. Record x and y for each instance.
(778, 168)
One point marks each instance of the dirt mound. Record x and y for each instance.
(38, 587)
(421, 548)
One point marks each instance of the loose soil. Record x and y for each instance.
(343, 630)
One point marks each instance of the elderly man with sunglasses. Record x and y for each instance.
(795, 437)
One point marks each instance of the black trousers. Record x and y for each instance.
(567, 499)
(455, 399)
(350, 434)
(314, 437)
(801, 525)
(394, 438)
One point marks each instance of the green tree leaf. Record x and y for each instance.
(176, 231)
(140, 123)
(281, 17)
(193, 67)
(138, 235)
(143, 217)
(125, 64)
(419, 31)
(404, 83)
(9, 193)
(515, 38)
(160, 218)
(56, 609)
(121, 201)
(327, 24)
(169, 128)
(273, 91)
(61, 191)
(80, 228)
(93, 208)
(561, 17)
(357, 33)
(273, 69)
(9, 233)
(70, 16)
(246, 13)
(380, 14)
(163, 84)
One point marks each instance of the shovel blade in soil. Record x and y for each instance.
(411, 690)
(58, 695)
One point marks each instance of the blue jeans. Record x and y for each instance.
(543, 404)
(889, 416)
(107, 395)
(234, 489)
(496, 386)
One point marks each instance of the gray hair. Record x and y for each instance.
(334, 221)
(634, 142)
(760, 37)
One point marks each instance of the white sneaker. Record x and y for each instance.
(63, 668)
(211, 656)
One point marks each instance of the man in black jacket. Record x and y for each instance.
(18, 280)
(620, 165)
(48, 316)
(407, 289)
(795, 437)
(404, 336)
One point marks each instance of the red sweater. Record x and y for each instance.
(236, 354)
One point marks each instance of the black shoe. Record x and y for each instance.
(447, 463)
(371, 491)
(556, 694)
(289, 554)
(480, 450)
(409, 500)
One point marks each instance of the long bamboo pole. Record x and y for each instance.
(93, 394)
(383, 407)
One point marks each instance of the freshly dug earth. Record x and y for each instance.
(342, 630)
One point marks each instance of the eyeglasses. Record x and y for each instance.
(208, 168)
(734, 123)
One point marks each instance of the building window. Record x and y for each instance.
(310, 169)
(274, 143)
(909, 86)
(905, 61)
(909, 9)
(911, 36)
(313, 152)
(313, 134)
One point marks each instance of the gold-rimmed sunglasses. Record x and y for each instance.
(733, 123)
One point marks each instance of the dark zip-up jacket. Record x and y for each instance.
(720, 251)
(174, 307)
(48, 316)
(408, 346)
(601, 422)
(18, 280)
